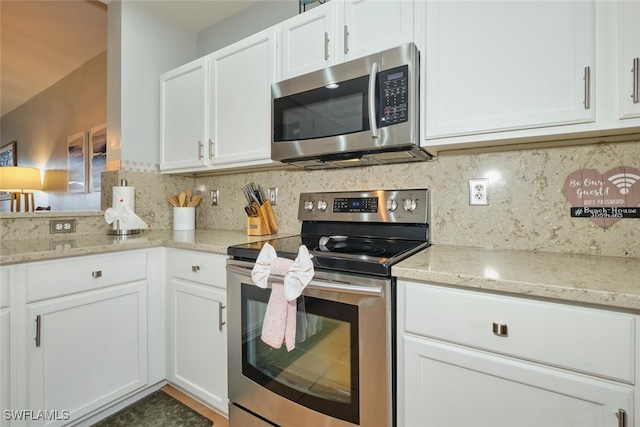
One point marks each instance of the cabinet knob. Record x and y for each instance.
(195, 268)
(500, 329)
(96, 274)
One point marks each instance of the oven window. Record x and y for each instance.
(323, 112)
(321, 373)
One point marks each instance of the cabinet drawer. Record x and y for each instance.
(583, 339)
(56, 278)
(199, 267)
(4, 287)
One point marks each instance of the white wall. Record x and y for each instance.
(149, 45)
(251, 20)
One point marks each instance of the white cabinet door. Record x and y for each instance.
(308, 41)
(629, 64)
(455, 386)
(342, 30)
(6, 356)
(241, 76)
(197, 341)
(86, 350)
(488, 66)
(184, 114)
(372, 26)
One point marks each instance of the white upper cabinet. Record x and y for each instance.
(184, 116)
(241, 77)
(342, 30)
(629, 68)
(492, 66)
(308, 41)
(371, 26)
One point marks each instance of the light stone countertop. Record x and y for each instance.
(214, 241)
(607, 281)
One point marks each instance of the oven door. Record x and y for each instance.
(340, 372)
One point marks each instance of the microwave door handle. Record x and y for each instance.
(372, 100)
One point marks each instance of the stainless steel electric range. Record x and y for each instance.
(342, 370)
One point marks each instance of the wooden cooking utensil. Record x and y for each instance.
(181, 199)
(196, 199)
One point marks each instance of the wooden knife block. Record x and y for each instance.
(263, 224)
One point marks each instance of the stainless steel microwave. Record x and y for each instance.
(361, 112)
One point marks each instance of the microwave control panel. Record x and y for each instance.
(394, 96)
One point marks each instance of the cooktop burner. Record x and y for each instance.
(357, 232)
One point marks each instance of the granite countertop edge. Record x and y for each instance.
(606, 281)
(590, 279)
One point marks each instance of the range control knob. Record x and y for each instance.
(308, 205)
(322, 205)
(410, 205)
(392, 205)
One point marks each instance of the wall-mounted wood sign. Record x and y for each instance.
(604, 198)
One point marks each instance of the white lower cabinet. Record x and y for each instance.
(196, 325)
(465, 360)
(88, 350)
(6, 359)
(83, 333)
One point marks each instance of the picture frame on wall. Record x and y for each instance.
(76, 162)
(98, 153)
(8, 157)
(8, 154)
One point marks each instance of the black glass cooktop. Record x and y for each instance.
(339, 253)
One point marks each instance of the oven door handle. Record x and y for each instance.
(320, 285)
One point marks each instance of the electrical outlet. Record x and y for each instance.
(479, 192)
(215, 195)
(57, 226)
(272, 194)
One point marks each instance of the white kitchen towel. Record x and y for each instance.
(279, 323)
(128, 220)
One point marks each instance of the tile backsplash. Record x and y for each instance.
(527, 207)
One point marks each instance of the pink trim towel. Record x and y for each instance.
(279, 324)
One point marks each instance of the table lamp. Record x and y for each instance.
(20, 180)
(55, 180)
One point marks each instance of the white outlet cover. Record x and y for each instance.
(479, 192)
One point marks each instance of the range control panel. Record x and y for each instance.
(392, 206)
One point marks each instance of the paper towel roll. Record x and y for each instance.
(124, 196)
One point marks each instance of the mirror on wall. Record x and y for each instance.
(53, 92)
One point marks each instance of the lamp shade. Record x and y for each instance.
(20, 179)
(55, 180)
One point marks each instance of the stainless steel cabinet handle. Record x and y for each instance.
(96, 274)
(500, 329)
(211, 148)
(346, 39)
(587, 88)
(622, 418)
(326, 46)
(636, 80)
(195, 268)
(372, 100)
(220, 322)
(38, 326)
(200, 150)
